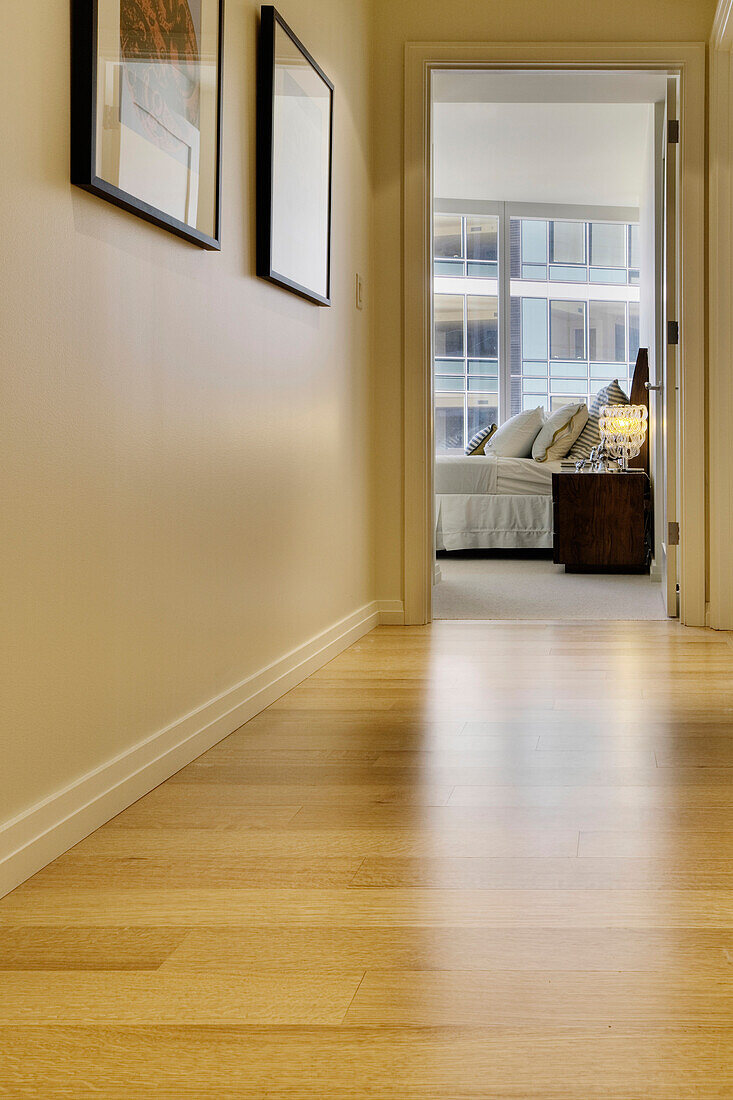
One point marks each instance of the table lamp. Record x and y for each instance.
(623, 431)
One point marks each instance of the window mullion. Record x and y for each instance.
(466, 436)
(504, 302)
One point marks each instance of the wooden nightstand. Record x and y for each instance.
(602, 522)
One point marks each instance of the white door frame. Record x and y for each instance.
(721, 324)
(686, 60)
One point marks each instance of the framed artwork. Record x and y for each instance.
(146, 102)
(294, 164)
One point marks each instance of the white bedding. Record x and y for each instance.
(487, 503)
(483, 521)
(487, 474)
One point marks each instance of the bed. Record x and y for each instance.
(487, 503)
(483, 502)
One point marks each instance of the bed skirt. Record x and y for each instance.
(484, 522)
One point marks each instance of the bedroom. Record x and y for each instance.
(551, 246)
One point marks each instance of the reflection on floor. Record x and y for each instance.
(485, 585)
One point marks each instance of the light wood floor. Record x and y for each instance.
(473, 860)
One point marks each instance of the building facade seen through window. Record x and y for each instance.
(572, 321)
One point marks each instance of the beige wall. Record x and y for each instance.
(464, 21)
(185, 449)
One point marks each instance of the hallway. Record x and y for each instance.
(467, 860)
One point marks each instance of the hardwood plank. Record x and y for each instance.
(668, 797)
(179, 867)
(182, 999)
(636, 1002)
(178, 805)
(221, 1063)
(681, 843)
(457, 769)
(515, 873)
(281, 731)
(315, 845)
(452, 771)
(414, 947)
(696, 752)
(239, 771)
(344, 699)
(355, 906)
(310, 845)
(87, 948)
(294, 754)
(578, 723)
(327, 793)
(523, 818)
(474, 754)
(707, 744)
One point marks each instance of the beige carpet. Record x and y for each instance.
(533, 588)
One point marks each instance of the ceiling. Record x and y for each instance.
(543, 86)
(578, 138)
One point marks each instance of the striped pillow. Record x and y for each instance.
(590, 437)
(476, 445)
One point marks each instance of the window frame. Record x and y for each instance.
(546, 290)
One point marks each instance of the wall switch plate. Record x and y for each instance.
(359, 292)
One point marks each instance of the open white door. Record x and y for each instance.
(668, 397)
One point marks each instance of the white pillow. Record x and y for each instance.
(515, 437)
(559, 432)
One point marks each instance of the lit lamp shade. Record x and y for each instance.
(623, 431)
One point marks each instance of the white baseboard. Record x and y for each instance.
(48, 829)
(391, 612)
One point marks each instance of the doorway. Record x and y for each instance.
(547, 191)
(561, 238)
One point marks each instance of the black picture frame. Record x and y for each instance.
(270, 19)
(84, 108)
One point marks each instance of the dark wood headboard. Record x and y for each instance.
(640, 396)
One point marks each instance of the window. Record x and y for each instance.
(567, 330)
(466, 247)
(483, 327)
(448, 243)
(482, 238)
(634, 257)
(482, 247)
(483, 374)
(449, 324)
(561, 274)
(466, 388)
(534, 241)
(566, 338)
(567, 334)
(482, 410)
(534, 328)
(567, 242)
(608, 244)
(449, 429)
(633, 331)
(607, 332)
